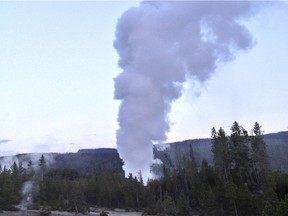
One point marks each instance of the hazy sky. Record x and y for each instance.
(57, 65)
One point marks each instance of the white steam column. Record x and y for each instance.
(160, 46)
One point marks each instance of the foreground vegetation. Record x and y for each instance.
(239, 183)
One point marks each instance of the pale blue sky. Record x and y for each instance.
(57, 65)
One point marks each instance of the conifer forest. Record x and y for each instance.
(239, 183)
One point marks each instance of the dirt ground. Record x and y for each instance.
(58, 213)
(115, 213)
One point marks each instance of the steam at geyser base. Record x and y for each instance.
(162, 45)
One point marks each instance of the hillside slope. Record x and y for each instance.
(83, 161)
(95, 160)
(277, 148)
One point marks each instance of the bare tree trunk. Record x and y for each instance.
(161, 193)
(226, 175)
(235, 208)
(76, 208)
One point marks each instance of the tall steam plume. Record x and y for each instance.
(161, 45)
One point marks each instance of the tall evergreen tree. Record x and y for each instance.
(222, 163)
(258, 151)
(260, 163)
(221, 155)
(238, 142)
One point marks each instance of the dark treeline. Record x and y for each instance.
(239, 183)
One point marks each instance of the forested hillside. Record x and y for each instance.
(277, 149)
(87, 160)
(83, 161)
(237, 180)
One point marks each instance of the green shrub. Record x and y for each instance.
(33, 206)
(45, 211)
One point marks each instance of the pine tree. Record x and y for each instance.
(207, 197)
(259, 154)
(221, 154)
(42, 184)
(16, 181)
(239, 149)
(261, 168)
(282, 207)
(222, 164)
(182, 207)
(77, 201)
(7, 190)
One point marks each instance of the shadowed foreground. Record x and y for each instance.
(59, 213)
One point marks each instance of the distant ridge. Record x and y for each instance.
(83, 161)
(99, 159)
(277, 149)
(99, 151)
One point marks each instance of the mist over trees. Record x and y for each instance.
(240, 182)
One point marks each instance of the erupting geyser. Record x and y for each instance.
(161, 45)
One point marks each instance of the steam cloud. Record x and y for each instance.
(160, 46)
